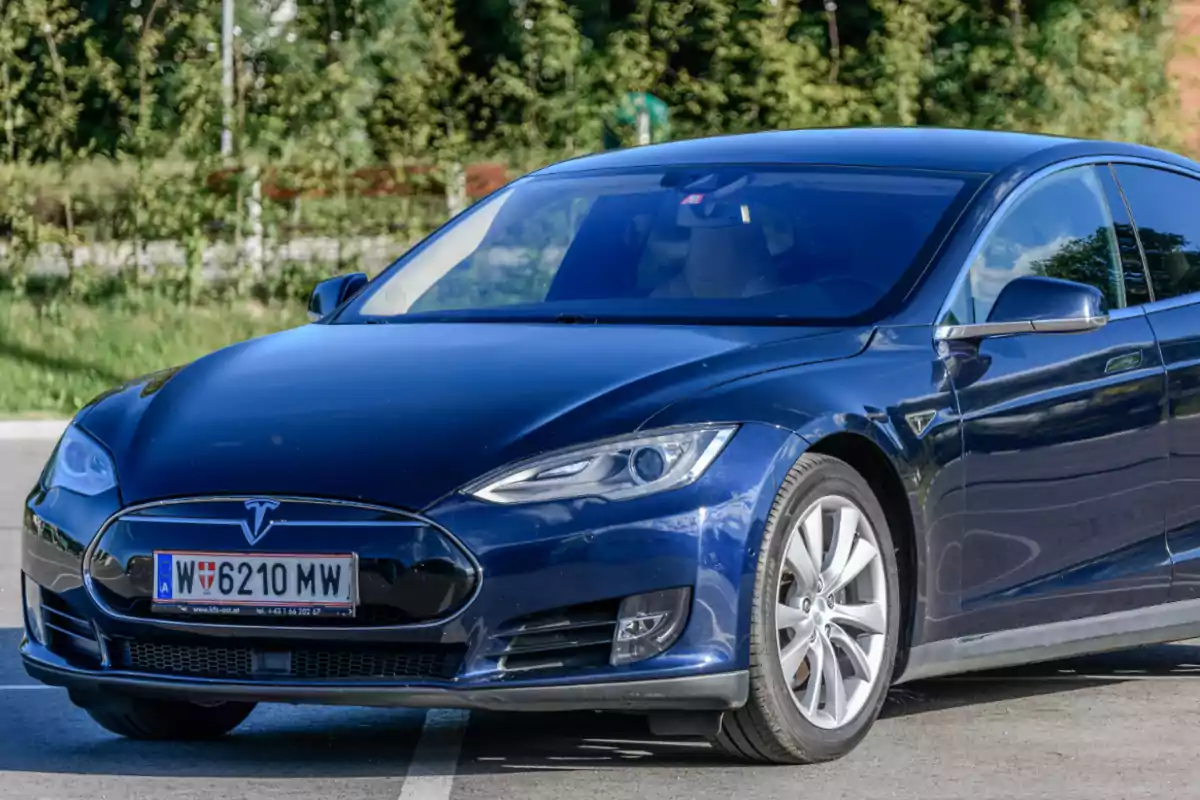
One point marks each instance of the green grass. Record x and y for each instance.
(56, 356)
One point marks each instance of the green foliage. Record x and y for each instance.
(546, 83)
(111, 116)
(55, 355)
(421, 109)
(347, 82)
(643, 56)
(16, 29)
(110, 113)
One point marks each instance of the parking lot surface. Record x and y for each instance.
(1124, 725)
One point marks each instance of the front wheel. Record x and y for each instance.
(162, 720)
(825, 620)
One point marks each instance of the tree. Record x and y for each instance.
(643, 55)
(15, 72)
(718, 59)
(57, 89)
(546, 83)
(421, 108)
(901, 48)
(792, 81)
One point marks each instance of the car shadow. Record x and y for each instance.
(43, 733)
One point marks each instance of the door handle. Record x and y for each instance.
(1123, 362)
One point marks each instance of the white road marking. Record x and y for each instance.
(435, 760)
(643, 743)
(1074, 677)
(558, 768)
(24, 687)
(11, 430)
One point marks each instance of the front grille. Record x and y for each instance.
(570, 638)
(409, 570)
(401, 662)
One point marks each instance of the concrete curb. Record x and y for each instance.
(32, 429)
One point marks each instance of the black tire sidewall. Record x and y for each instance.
(821, 476)
(161, 719)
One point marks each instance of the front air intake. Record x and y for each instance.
(69, 635)
(574, 637)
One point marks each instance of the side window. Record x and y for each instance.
(1137, 286)
(1166, 211)
(1060, 228)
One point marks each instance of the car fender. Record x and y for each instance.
(896, 395)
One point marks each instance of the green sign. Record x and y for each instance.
(628, 116)
(634, 103)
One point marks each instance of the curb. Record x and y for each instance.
(32, 429)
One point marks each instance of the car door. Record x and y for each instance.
(1064, 434)
(1165, 206)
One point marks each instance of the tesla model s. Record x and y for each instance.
(735, 433)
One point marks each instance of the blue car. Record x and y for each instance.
(735, 433)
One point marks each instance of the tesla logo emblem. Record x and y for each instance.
(256, 528)
(920, 421)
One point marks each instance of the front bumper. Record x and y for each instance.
(551, 577)
(720, 692)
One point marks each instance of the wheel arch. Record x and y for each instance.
(871, 461)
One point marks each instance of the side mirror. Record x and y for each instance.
(331, 293)
(1034, 304)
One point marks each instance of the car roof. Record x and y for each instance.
(958, 150)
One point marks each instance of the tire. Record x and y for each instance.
(162, 720)
(771, 727)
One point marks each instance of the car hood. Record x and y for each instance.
(403, 414)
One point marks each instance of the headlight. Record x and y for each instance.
(617, 469)
(80, 465)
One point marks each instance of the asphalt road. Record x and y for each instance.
(1125, 725)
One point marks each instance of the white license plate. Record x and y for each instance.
(255, 585)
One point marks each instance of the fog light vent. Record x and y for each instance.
(34, 616)
(648, 624)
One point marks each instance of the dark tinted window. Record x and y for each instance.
(697, 242)
(1166, 210)
(1060, 228)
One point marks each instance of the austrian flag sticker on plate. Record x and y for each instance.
(206, 571)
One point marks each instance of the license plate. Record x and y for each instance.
(281, 585)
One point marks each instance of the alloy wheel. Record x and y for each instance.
(831, 612)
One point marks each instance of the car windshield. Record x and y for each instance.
(703, 244)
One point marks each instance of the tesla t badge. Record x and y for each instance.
(256, 528)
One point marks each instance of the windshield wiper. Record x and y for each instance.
(574, 319)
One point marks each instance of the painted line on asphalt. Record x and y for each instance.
(650, 743)
(24, 687)
(435, 759)
(1113, 677)
(31, 429)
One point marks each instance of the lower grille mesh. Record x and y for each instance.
(186, 660)
(239, 662)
